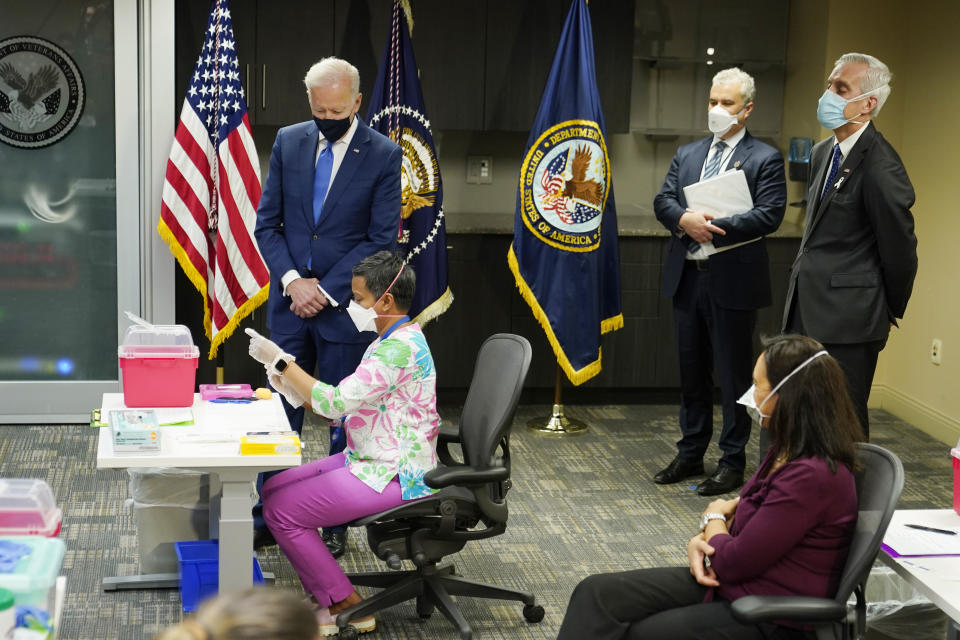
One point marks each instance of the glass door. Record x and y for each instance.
(68, 242)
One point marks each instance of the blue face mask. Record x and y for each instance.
(830, 109)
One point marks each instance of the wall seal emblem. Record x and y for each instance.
(41, 92)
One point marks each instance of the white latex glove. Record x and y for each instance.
(285, 388)
(266, 351)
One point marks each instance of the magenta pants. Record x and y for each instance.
(322, 493)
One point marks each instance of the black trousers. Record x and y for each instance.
(858, 361)
(665, 603)
(711, 338)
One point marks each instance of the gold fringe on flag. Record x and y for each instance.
(200, 283)
(576, 376)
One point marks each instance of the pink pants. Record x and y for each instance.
(322, 493)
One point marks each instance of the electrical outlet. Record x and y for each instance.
(936, 351)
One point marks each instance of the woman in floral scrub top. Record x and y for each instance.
(389, 409)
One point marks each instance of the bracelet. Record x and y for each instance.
(707, 517)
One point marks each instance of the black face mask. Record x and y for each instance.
(331, 129)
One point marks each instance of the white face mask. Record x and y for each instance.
(719, 120)
(363, 319)
(748, 400)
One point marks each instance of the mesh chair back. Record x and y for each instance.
(498, 378)
(879, 481)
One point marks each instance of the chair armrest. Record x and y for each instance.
(448, 434)
(800, 609)
(445, 437)
(441, 477)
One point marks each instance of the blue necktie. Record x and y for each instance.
(834, 166)
(713, 166)
(321, 180)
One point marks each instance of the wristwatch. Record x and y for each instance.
(707, 517)
(280, 365)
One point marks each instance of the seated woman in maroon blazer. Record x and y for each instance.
(788, 533)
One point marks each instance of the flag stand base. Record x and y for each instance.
(557, 424)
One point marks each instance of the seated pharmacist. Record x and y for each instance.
(391, 422)
(788, 533)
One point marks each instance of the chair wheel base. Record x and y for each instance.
(349, 632)
(533, 613)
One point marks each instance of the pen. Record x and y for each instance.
(920, 527)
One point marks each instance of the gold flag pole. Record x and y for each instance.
(557, 424)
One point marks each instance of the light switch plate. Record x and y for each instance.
(479, 169)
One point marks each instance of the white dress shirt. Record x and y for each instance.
(845, 148)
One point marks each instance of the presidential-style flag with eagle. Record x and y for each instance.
(212, 187)
(397, 110)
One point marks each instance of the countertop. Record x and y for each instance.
(630, 223)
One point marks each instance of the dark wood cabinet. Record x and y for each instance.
(483, 65)
(291, 36)
(641, 355)
(448, 43)
(276, 42)
(522, 38)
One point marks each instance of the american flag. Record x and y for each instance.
(553, 183)
(212, 187)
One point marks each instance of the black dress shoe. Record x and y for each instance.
(724, 480)
(336, 542)
(678, 470)
(263, 538)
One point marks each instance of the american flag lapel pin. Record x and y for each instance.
(355, 150)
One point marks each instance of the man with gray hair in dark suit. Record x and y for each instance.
(718, 274)
(854, 272)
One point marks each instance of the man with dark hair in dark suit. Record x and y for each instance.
(854, 272)
(718, 274)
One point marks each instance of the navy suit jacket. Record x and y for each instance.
(360, 216)
(739, 278)
(857, 261)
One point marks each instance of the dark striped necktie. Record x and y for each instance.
(713, 166)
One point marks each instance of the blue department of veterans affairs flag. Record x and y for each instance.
(397, 110)
(564, 254)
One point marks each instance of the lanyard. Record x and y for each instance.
(386, 334)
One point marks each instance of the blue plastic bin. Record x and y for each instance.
(199, 575)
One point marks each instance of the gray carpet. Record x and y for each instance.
(579, 505)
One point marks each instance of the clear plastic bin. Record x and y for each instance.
(27, 508)
(169, 505)
(159, 366)
(33, 579)
(896, 610)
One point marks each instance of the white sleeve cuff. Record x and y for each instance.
(287, 278)
(333, 303)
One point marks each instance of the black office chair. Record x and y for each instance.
(471, 493)
(879, 483)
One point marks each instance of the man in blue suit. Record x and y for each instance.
(331, 198)
(718, 274)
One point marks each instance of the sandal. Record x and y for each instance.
(328, 623)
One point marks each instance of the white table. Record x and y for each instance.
(938, 578)
(219, 427)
